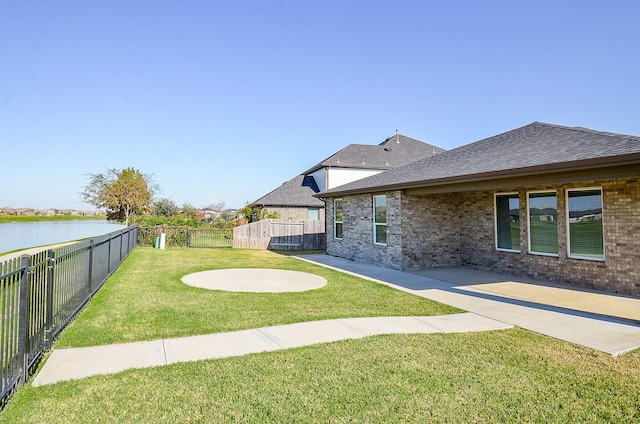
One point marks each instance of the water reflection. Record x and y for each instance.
(22, 235)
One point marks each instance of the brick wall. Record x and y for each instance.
(430, 231)
(618, 273)
(449, 230)
(357, 242)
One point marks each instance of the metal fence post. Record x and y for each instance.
(109, 256)
(120, 256)
(23, 354)
(51, 263)
(91, 244)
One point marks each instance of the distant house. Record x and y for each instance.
(457, 209)
(295, 198)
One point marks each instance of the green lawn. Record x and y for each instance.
(146, 300)
(498, 376)
(501, 376)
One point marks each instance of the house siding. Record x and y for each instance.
(357, 230)
(448, 230)
(340, 176)
(293, 212)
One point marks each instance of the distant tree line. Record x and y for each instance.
(128, 196)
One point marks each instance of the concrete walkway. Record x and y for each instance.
(76, 363)
(601, 321)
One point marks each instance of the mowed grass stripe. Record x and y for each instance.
(145, 298)
(502, 376)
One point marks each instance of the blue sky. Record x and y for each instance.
(226, 100)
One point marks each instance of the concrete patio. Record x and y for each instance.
(603, 321)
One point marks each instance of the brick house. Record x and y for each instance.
(295, 198)
(546, 201)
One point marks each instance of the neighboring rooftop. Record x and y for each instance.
(298, 191)
(533, 149)
(395, 151)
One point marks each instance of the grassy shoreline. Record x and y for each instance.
(41, 218)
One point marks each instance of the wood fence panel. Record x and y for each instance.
(280, 235)
(252, 236)
(286, 235)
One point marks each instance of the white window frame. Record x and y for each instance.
(376, 224)
(529, 193)
(495, 220)
(335, 219)
(584, 257)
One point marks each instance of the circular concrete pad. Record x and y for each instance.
(257, 280)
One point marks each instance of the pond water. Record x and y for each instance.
(22, 235)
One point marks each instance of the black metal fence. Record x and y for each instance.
(187, 236)
(40, 294)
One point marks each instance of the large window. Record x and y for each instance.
(584, 217)
(543, 223)
(508, 222)
(380, 219)
(337, 218)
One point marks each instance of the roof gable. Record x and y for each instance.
(395, 151)
(536, 146)
(298, 191)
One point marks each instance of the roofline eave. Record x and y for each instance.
(622, 161)
(283, 205)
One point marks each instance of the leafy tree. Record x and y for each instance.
(189, 211)
(257, 213)
(122, 192)
(165, 207)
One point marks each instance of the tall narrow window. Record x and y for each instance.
(584, 210)
(543, 223)
(337, 218)
(380, 219)
(508, 222)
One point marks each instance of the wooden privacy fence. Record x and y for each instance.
(281, 235)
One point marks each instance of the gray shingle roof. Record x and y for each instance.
(298, 191)
(391, 153)
(534, 148)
